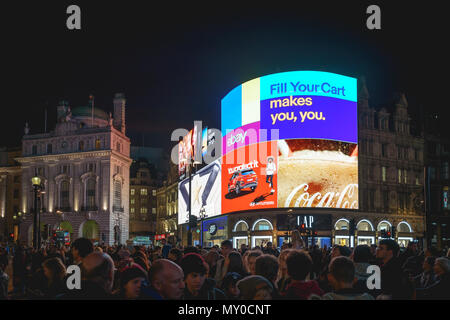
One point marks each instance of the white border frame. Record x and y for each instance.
(342, 219)
(237, 223)
(409, 226)
(239, 238)
(366, 237)
(390, 224)
(260, 237)
(365, 220)
(259, 220)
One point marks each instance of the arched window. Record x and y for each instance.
(262, 225)
(117, 194)
(364, 225)
(97, 144)
(404, 227)
(64, 195)
(241, 226)
(384, 225)
(81, 145)
(341, 224)
(90, 193)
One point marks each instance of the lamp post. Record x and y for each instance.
(202, 216)
(36, 181)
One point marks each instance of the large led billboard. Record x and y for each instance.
(290, 140)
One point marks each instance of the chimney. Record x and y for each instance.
(119, 112)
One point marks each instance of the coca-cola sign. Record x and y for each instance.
(347, 198)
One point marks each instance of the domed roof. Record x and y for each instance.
(86, 111)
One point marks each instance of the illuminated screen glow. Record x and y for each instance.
(306, 123)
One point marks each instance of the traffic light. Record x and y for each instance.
(54, 236)
(192, 222)
(393, 230)
(302, 228)
(11, 237)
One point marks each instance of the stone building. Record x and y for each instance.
(84, 169)
(142, 200)
(167, 206)
(10, 193)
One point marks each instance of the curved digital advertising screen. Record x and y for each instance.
(290, 140)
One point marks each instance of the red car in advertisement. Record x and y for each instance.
(241, 180)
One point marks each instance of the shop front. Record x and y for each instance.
(214, 231)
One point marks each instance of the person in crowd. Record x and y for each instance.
(243, 249)
(340, 251)
(233, 263)
(226, 247)
(413, 263)
(166, 281)
(81, 247)
(229, 285)
(283, 277)
(97, 276)
(132, 279)
(266, 266)
(245, 260)
(395, 284)
(255, 288)
(361, 256)
(175, 255)
(19, 270)
(341, 276)
(191, 249)
(440, 289)
(251, 260)
(211, 259)
(165, 248)
(198, 287)
(427, 277)
(297, 241)
(299, 265)
(55, 273)
(271, 250)
(4, 280)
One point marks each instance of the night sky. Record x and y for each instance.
(175, 63)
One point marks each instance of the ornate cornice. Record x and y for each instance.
(65, 156)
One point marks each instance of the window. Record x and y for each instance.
(445, 170)
(445, 198)
(399, 153)
(117, 194)
(131, 210)
(132, 191)
(399, 175)
(132, 201)
(405, 176)
(40, 171)
(90, 193)
(364, 226)
(153, 210)
(91, 167)
(97, 144)
(417, 179)
(383, 174)
(341, 225)
(118, 146)
(143, 192)
(49, 148)
(154, 192)
(144, 201)
(16, 193)
(144, 210)
(81, 145)
(386, 199)
(64, 203)
(384, 150)
(64, 169)
(384, 226)
(405, 153)
(34, 150)
(262, 225)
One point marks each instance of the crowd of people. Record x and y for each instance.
(173, 272)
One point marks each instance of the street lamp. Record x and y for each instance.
(36, 181)
(202, 216)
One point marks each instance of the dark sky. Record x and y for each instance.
(175, 63)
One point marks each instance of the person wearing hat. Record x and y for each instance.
(270, 171)
(255, 288)
(131, 280)
(229, 285)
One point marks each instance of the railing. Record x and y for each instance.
(89, 208)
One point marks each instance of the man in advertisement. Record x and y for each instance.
(270, 171)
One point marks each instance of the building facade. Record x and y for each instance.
(167, 207)
(391, 192)
(142, 201)
(10, 194)
(84, 168)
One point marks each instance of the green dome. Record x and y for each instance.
(86, 111)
